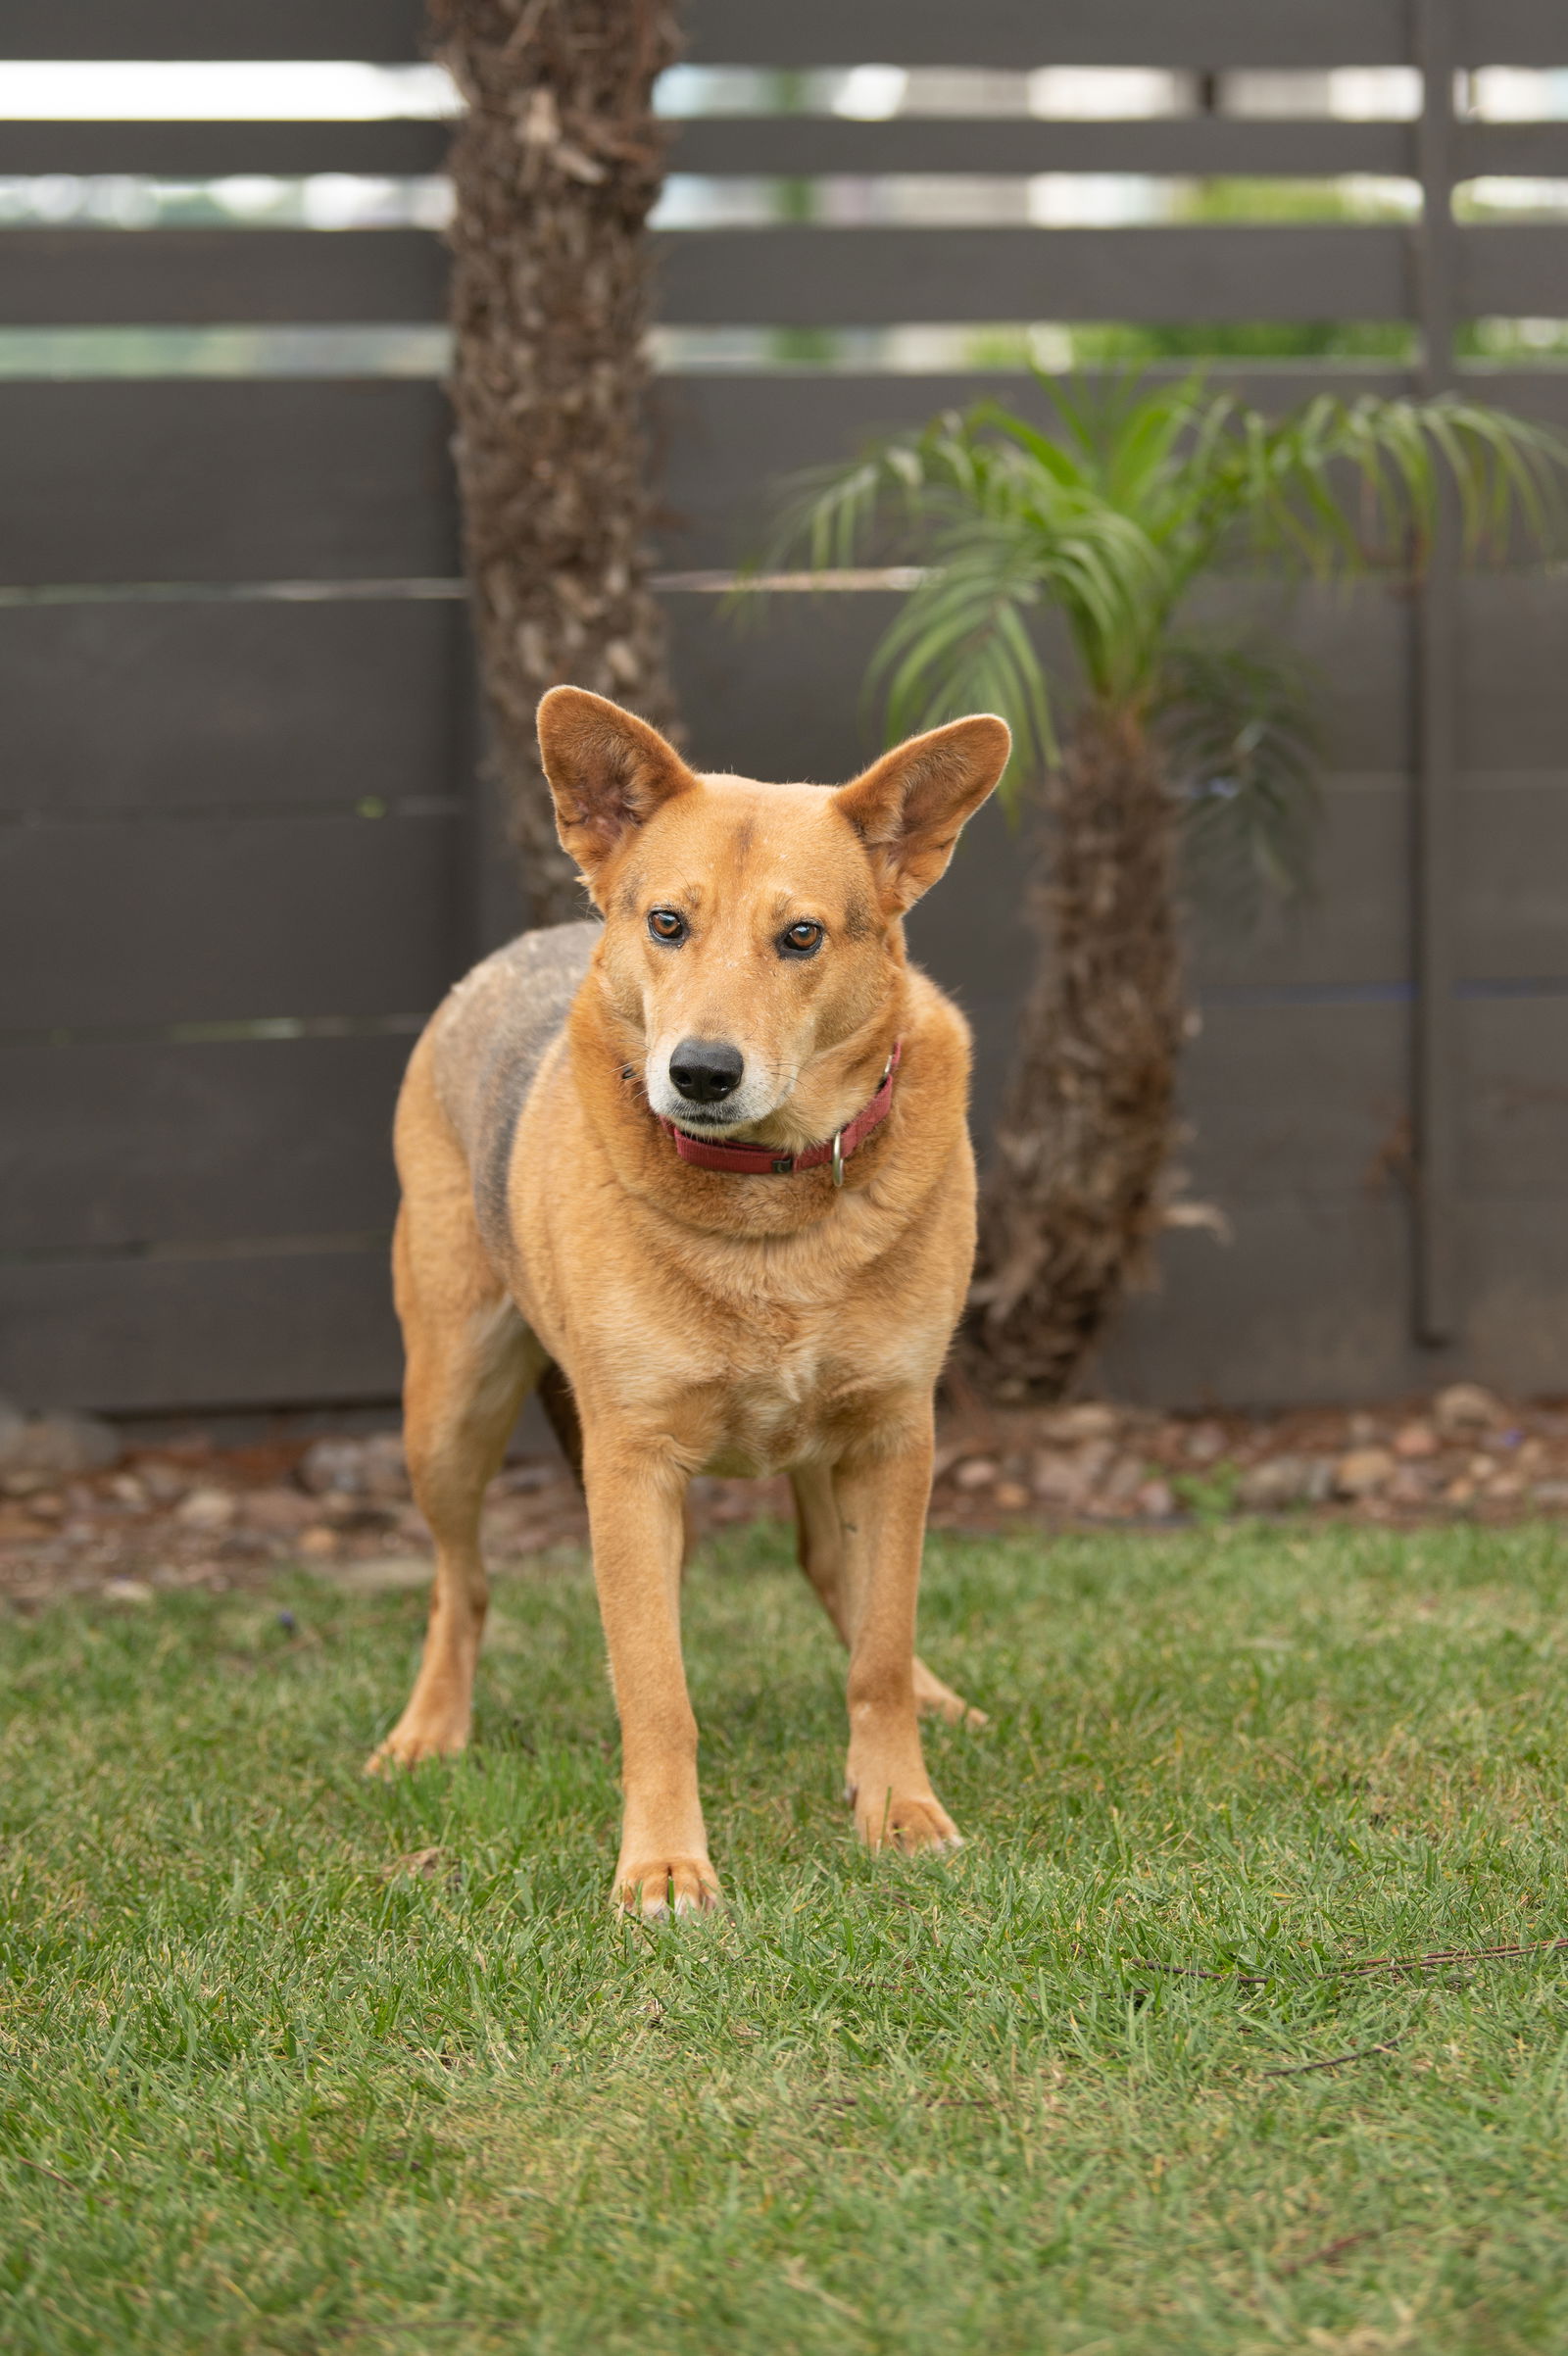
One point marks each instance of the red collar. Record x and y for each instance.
(761, 1162)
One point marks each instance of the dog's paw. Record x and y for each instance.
(909, 1823)
(658, 1886)
(409, 1745)
(934, 1699)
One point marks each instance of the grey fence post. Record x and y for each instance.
(1436, 1084)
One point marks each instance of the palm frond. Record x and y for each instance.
(1237, 723)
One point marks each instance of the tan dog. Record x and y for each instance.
(597, 1140)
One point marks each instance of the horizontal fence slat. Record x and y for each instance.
(1295, 1101)
(1514, 1062)
(824, 144)
(1516, 272)
(230, 705)
(844, 276)
(789, 276)
(170, 922)
(1511, 861)
(141, 1335)
(383, 31)
(200, 151)
(1532, 148)
(179, 277)
(150, 1142)
(1513, 699)
(214, 479)
(1203, 33)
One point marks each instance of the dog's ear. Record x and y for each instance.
(909, 807)
(609, 772)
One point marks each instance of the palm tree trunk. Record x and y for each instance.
(556, 166)
(1073, 1197)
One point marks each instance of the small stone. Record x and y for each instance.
(1553, 1494)
(164, 1483)
(977, 1473)
(1459, 1491)
(1156, 1500)
(1408, 1485)
(206, 1509)
(1414, 1442)
(1091, 1419)
(1124, 1480)
(1479, 1468)
(128, 1591)
(283, 1510)
(385, 1472)
(1504, 1487)
(338, 1465)
(1057, 1478)
(1206, 1442)
(319, 1540)
(1281, 1481)
(46, 1505)
(1531, 1457)
(127, 1490)
(61, 1444)
(1363, 1472)
(1011, 1497)
(1464, 1410)
(1364, 1430)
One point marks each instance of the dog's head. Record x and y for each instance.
(752, 932)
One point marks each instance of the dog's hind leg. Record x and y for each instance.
(470, 1361)
(819, 1543)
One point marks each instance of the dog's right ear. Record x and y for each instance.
(609, 772)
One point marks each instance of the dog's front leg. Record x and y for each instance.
(635, 1499)
(882, 1500)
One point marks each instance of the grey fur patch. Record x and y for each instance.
(491, 1035)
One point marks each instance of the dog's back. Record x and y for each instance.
(487, 1042)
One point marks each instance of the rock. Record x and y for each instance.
(128, 1591)
(283, 1510)
(1156, 1500)
(1206, 1442)
(1364, 1430)
(318, 1541)
(1281, 1481)
(386, 1474)
(164, 1483)
(1363, 1472)
(1408, 1484)
(1553, 1494)
(1091, 1419)
(1413, 1441)
(206, 1509)
(1057, 1478)
(1011, 1497)
(59, 1444)
(977, 1472)
(334, 1465)
(1465, 1410)
(1124, 1480)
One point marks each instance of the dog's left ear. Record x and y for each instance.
(908, 809)
(608, 771)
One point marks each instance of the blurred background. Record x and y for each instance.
(243, 843)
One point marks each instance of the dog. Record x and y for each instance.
(703, 1173)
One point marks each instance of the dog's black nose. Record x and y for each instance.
(705, 1070)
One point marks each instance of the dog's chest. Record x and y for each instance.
(796, 1401)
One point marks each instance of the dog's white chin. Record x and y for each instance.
(709, 1120)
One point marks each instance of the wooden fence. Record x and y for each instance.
(241, 852)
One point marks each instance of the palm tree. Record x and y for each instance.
(1176, 742)
(555, 163)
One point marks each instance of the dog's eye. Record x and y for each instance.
(667, 925)
(801, 940)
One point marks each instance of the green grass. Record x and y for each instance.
(300, 2106)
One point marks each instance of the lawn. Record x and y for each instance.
(268, 2084)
